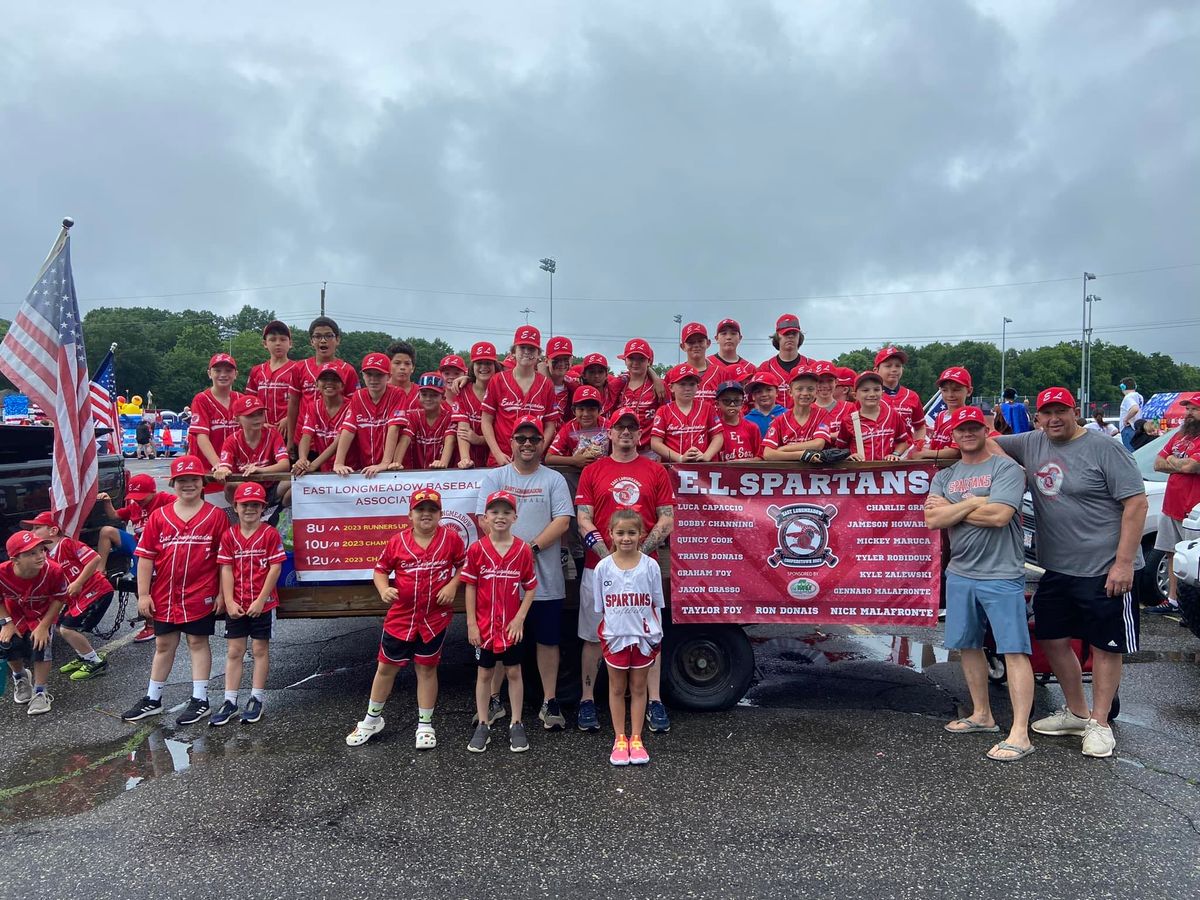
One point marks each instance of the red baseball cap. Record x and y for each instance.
(623, 412)
(187, 465)
(140, 486)
(425, 495)
(764, 377)
(453, 361)
(691, 329)
(787, 322)
(965, 414)
(247, 405)
(845, 375)
(501, 497)
(824, 369)
(729, 325)
(483, 351)
(527, 336)
(585, 393)
(595, 359)
(1052, 395)
(1190, 399)
(45, 517)
(377, 362)
(575, 371)
(222, 359)
(958, 375)
(529, 422)
(432, 381)
(250, 492)
(869, 375)
(637, 347)
(331, 368)
(510, 362)
(678, 373)
(740, 370)
(23, 542)
(888, 352)
(559, 346)
(803, 372)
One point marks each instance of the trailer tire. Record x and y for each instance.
(1189, 605)
(706, 667)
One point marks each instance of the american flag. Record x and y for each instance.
(43, 355)
(103, 391)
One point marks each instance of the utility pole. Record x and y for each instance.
(678, 329)
(1003, 336)
(1087, 381)
(1087, 276)
(323, 284)
(549, 266)
(527, 311)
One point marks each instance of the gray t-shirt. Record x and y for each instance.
(978, 551)
(542, 496)
(1077, 488)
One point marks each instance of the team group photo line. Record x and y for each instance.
(575, 483)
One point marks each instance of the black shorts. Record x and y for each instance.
(394, 651)
(258, 628)
(21, 647)
(205, 627)
(545, 622)
(486, 659)
(90, 618)
(1069, 606)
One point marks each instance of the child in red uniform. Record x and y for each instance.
(499, 567)
(452, 368)
(844, 392)
(423, 438)
(251, 557)
(559, 351)
(325, 336)
(256, 448)
(890, 363)
(322, 423)
(742, 440)
(827, 382)
(404, 361)
(787, 339)
(512, 395)
(695, 343)
(274, 381)
(89, 594)
(686, 429)
(805, 428)
(955, 385)
(468, 409)
(365, 427)
(885, 432)
(213, 418)
(729, 336)
(33, 591)
(596, 374)
(583, 439)
(423, 563)
(178, 587)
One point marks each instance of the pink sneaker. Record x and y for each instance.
(637, 753)
(620, 752)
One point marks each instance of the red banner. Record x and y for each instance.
(828, 546)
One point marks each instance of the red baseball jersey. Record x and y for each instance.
(74, 557)
(501, 581)
(742, 441)
(710, 380)
(562, 399)
(469, 408)
(251, 557)
(784, 374)
(786, 430)
(213, 418)
(643, 401)
(908, 403)
(506, 402)
(185, 581)
(572, 439)
(836, 412)
(27, 599)
(418, 573)
(1183, 488)
(428, 438)
(368, 420)
(409, 397)
(940, 436)
(880, 436)
(608, 485)
(682, 431)
(715, 359)
(324, 426)
(274, 387)
(237, 453)
(136, 514)
(304, 375)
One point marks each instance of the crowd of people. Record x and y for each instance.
(520, 413)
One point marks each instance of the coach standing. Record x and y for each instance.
(1091, 505)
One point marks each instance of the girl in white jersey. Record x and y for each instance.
(629, 597)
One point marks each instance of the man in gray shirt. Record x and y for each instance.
(546, 505)
(1090, 503)
(977, 500)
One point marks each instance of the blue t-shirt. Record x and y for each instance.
(763, 420)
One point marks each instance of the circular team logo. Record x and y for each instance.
(626, 491)
(803, 536)
(1049, 479)
(457, 522)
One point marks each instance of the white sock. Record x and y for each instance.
(154, 692)
(18, 676)
(91, 657)
(200, 690)
(259, 694)
(231, 697)
(425, 716)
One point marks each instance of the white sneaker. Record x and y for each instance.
(426, 736)
(22, 689)
(1098, 740)
(1061, 722)
(363, 732)
(40, 704)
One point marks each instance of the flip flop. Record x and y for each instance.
(971, 727)
(1021, 752)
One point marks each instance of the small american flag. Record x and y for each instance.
(103, 392)
(43, 355)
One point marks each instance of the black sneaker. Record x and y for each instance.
(222, 716)
(496, 711)
(196, 710)
(656, 715)
(253, 711)
(143, 709)
(551, 716)
(480, 739)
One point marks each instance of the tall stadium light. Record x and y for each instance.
(1003, 336)
(1087, 276)
(548, 265)
(1087, 379)
(678, 344)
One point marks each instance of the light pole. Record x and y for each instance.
(678, 327)
(1087, 276)
(527, 311)
(1003, 336)
(1087, 381)
(548, 265)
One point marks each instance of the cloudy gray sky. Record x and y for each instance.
(694, 158)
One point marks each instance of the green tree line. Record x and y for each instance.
(167, 352)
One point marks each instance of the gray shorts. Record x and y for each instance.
(589, 619)
(1171, 532)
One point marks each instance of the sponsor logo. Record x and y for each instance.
(803, 589)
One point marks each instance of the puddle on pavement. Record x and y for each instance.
(66, 782)
(821, 649)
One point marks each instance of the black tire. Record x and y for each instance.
(997, 670)
(706, 667)
(1189, 605)
(1115, 709)
(1152, 578)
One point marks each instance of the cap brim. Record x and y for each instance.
(138, 495)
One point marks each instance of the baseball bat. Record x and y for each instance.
(856, 421)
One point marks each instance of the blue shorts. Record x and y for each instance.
(128, 542)
(972, 604)
(544, 622)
